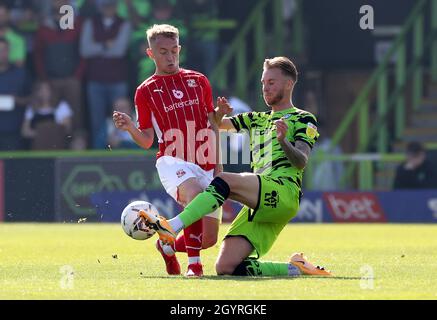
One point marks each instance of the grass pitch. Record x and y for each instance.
(90, 261)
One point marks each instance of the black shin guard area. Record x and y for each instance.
(249, 267)
(241, 269)
(221, 187)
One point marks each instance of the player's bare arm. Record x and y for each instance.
(299, 153)
(223, 109)
(143, 138)
(215, 128)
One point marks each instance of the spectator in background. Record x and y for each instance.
(112, 137)
(416, 172)
(311, 102)
(17, 45)
(45, 7)
(104, 43)
(80, 142)
(57, 60)
(46, 122)
(14, 84)
(289, 8)
(326, 174)
(136, 11)
(88, 9)
(204, 33)
(238, 141)
(24, 18)
(162, 13)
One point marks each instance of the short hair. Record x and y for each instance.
(165, 30)
(286, 65)
(414, 148)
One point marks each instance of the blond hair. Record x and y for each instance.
(165, 30)
(286, 65)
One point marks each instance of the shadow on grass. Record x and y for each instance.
(239, 278)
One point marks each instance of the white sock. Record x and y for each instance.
(176, 224)
(193, 260)
(293, 271)
(168, 250)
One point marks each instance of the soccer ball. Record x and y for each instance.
(132, 224)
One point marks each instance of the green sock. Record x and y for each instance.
(206, 202)
(256, 268)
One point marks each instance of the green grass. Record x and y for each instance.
(403, 259)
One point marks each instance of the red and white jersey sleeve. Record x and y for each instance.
(144, 115)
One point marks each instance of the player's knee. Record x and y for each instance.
(224, 268)
(225, 181)
(233, 181)
(226, 177)
(189, 194)
(193, 194)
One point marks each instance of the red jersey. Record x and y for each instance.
(177, 107)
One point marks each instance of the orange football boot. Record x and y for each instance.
(160, 225)
(306, 267)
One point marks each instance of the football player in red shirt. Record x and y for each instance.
(177, 105)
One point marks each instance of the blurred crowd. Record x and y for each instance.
(58, 86)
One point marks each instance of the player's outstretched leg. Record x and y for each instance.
(306, 267)
(171, 262)
(297, 266)
(233, 260)
(160, 225)
(205, 202)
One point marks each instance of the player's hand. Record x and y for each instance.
(281, 129)
(223, 106)
(122, 121)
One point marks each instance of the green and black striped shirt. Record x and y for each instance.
(267, 156)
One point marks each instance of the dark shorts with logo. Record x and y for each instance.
(278, 203)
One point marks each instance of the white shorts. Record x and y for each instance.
(173, 172)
